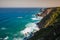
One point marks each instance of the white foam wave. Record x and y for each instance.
(33, 15)
(6, 38)
(38, 18)
(34, 18)
(30, 27)
(39, 13)
(18, 38)
(3, 28)
(19, 17)
(1, 38)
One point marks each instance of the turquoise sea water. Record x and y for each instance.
(13, 20)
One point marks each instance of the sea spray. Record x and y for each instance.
(30, 27)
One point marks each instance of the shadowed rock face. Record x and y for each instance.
(44, 13)
(50, 27)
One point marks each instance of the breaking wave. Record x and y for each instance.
(19, 17)
(38, 18)
(30, 27)
(18, 38)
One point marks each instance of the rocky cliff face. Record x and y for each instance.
(50, 26)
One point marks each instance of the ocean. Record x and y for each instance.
(14, 20)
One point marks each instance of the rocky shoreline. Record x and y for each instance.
(49, 25)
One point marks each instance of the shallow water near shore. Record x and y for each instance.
(14, 20)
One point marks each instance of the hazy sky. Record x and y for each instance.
(29, 3)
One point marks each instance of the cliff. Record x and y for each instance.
(50, 27)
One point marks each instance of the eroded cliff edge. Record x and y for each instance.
(50, 26)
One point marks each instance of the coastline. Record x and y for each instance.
(49, 27)
(39, 17)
